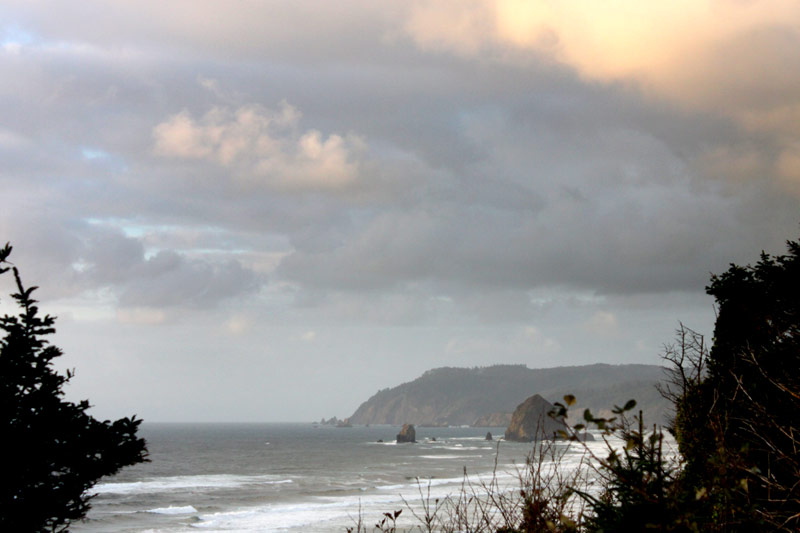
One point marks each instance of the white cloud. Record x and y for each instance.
(263, 146)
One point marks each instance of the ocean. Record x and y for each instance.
(297, 477)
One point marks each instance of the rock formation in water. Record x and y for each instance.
(531, 421)
(488, 435)
(407, 434)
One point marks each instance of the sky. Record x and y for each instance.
(269, 210)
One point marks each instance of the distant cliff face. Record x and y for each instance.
(458, 396)
(494, 420)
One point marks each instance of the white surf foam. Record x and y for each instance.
(179, 483)
(273, 518)
(413, 485)
(186, 509)
(446, 456)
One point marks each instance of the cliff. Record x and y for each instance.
(459, 396)
(494, 420)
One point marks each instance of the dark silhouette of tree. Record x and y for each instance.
(54, 450)
(738, 427)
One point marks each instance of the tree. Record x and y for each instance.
(738, 426)
(55, 451)
(737, 419)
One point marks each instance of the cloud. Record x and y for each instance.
(661, 44)
(238, 324)
(145, 316)
(603, 323)
(789, 167)
(168, 279)
(539, 343)
(598, 204)
(75, 259)
(10, 140)
(514, 345)
(263, 146)
(730, 58)
(499, 174)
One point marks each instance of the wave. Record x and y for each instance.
(178, 483)
(270, 518)
(423, 483)
(446, 456)
(186, 509)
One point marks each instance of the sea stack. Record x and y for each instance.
(531, 421)
(488, 435)
(407, 434)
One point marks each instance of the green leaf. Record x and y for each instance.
(630, 405)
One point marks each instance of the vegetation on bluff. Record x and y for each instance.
(738, 409)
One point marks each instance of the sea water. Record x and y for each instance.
(297, 477)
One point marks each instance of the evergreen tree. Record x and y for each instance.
(55, 451)
(739, 427)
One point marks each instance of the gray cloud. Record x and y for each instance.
(167, 279)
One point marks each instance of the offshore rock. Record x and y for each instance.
(488, 435)
(531, 421)
(407, 434)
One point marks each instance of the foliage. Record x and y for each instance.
(736, 415)
(738, 427)
(639, 482)
(55, 451)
